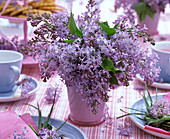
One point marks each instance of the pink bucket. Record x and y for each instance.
(151, 24)
(80, 113)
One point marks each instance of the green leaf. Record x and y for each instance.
(113, 80)
(149, 12)
(143, 9)
(160, 121)
(135, 109)
(79, 33)
(150, 121)
(107, 64)
(140, 7)
(130, 114)
(49, 127)
(49, 115)
(150, 98)
(73, 27)
(105, 27)
(61, 125)
(142, 16)
(72, 24)
(32, 106)
(116, 70)
(146, 102)
(69, 41)
(39, 117)
(39, 114)
(116, 25)
(106, 23)
(33, 129)
(156, 93)
(110, 31)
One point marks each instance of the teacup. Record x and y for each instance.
(10, 69)
(163, 51)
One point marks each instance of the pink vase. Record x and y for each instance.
(80, 113)
(151, 24)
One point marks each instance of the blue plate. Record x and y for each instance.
(9, 96)
(140, 105)
(68, 129)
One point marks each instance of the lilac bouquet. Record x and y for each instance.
(89, 54)
(141, 7)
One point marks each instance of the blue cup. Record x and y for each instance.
(10, 69)
(163, 51)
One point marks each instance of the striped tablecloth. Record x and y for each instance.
(61, 111)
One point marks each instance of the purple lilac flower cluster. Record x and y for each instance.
(119, 100)
(48, 134)
(13, 44)
(50, 92)
(26, 88)
(160, 107)
(22, 135)
(128, 6)
(79, 63)
(125, 130)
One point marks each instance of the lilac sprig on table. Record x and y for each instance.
(125, 130)
(50, 92)
(141, 7)
(156, 114)
(90, 54)
(45, 129)
(24, 86)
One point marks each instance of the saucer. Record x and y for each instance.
(9, 96)
(155, 84)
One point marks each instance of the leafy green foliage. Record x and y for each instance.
(69, 41)
(108, 65)
(73, 27)
(105, 27)
(142, 9)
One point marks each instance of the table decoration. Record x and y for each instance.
(151, 114)
(45, 129)
(89, 55)
(148, 11)
(22, 89)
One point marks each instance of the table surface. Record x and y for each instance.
(130, 94)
